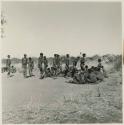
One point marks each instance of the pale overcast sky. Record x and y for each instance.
(62, 27)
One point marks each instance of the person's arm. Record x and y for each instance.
(38, 62)
(32, 64)
(22, 62)
(6, 62)
(47, 63)
(10, 62)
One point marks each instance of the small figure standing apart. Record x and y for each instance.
(40, 64)
(82, 62)
(8, 65)
(30, 66)
(24, 65)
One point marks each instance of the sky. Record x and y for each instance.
(61, 27)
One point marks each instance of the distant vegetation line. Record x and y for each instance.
(106, 58)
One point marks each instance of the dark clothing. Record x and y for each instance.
(40, 62)
(30, 67)
(45, 64)
(82, 66)
(24, 62)
(67, 63)
(8, 62)
(99, 65)
(82, 61)
(8, 65)
(24, 66)
(75, 62)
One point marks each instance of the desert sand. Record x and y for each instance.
(33, 100)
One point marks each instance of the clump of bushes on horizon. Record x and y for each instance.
(118, 63)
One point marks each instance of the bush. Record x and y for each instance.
(118, 63)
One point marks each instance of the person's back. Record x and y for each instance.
(48, 72)
(76, 78)
(92, 77)
(82, 78)
(73, 70)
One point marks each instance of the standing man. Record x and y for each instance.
(40, 64)
(58, 64)
(66, 64)
(75, 61)
(24, 65)
(55, 64)
(8, 65)
(45, 65)
(82, 62)
(30, 66)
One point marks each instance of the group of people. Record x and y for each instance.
(82, 75)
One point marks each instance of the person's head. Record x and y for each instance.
(67, 55)
(48, 69)
(92, 68)
(89, 70)
(41, 54)
(29, 58)
(102, 67)
(52, 68)
(83, 63)
(84, 55)
(86, 67)
(99, 60)
(95, 68)
(78, 57)
(25, 55)
(8, 56)
(98, 68)
(44, 57)
(55, 55)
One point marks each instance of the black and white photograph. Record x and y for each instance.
(61, 62)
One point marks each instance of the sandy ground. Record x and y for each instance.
(33, 100)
